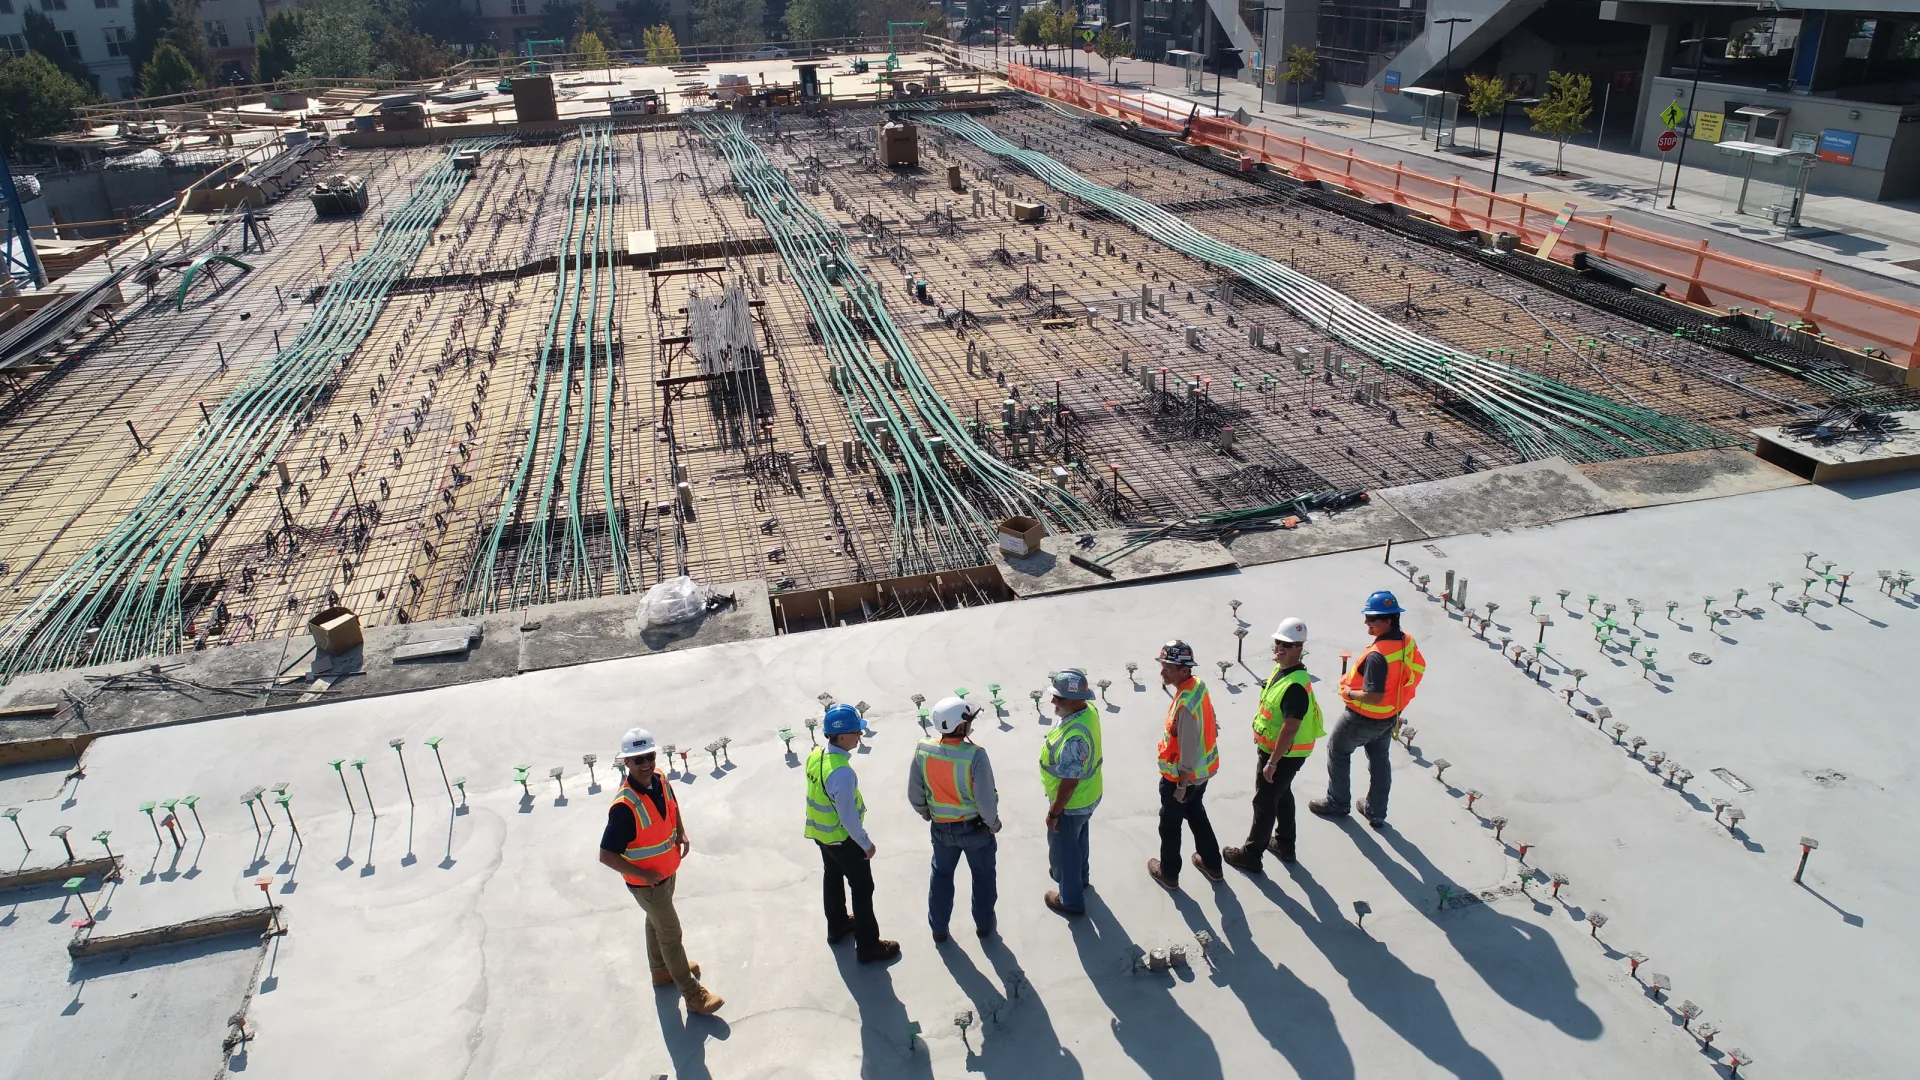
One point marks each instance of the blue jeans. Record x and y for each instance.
(1068, 847)
(951, 840)
(1352, 733)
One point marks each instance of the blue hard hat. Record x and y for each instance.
(843, 720)
(1382, 602)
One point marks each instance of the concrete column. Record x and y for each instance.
(1660, 39)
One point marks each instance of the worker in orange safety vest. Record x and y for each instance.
(950, 785)
(644, 841)
(1189, 756)
(1376, 690)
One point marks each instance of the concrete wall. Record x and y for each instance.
(98, 194)
(1886, 164)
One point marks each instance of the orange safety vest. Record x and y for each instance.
(1191, 695)
(656, 836)
(946, 768)
(1405, 668)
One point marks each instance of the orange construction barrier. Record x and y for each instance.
(1692, 269)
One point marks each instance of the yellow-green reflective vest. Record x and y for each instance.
(1085, 723)
(947, 771)
(823, 820)
(1268, 721)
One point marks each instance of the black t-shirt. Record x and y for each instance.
(1373, 666)
(621, 828)
(1293, 703)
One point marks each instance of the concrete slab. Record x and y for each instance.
(1050, 571)
(1361, 527)
(1672, 478)
(1510, 497)
(1844, 459)
(453, 940)
(608, 628)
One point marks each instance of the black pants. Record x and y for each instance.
(1273, 806)
(846, 867)
(1193, 811)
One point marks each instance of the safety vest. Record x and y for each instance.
(1405, 667)
(946, 768)
(1268, 722)
(655, 844)
(1190, 695)
(823, 820)
(1085, 724)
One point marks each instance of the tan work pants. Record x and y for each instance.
(664, 951)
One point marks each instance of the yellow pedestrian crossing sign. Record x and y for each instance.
(1673, 114)
(1087, 35)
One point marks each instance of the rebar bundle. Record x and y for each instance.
(1541, 417)
(124, 596)
(939, 521)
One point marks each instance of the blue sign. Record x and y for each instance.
(1839, 146)
(1390, 82)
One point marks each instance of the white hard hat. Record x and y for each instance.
(636, 742)
(1291, 631)
(951, 712)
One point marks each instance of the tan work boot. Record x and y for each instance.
(663, 977)
(703, 1001)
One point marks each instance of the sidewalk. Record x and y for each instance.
(1856, 242)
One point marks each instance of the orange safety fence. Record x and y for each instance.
(1692, 269)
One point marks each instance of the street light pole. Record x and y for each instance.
(1699, 56)
(1266, 51)
(1500, 143)
(1446, 71)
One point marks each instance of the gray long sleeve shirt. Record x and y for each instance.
(842, 787)
(1189, 731)
(984, 795)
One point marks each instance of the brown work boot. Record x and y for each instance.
(703, 1001)
(1169, 882)
(663, 977)
(1241, 858)
(1053, 901)
(881, 952)
(1201, 864)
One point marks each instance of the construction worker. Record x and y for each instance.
(1070, 761)
(1284, 731)
(645, 840)
(1189, 756)
(836, 816)
(1376, 690)
(950, 785)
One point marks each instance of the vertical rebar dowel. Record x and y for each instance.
(360, 766)
(433, 741)
(342, 774)
(1807, 844)
(401, 754)
(13, 815)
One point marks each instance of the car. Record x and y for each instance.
(768, 52)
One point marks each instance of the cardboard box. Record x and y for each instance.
(1028, 211)
(335, 630)
(899, 145)
(1020, 536)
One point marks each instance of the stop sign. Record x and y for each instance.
(1668, 140)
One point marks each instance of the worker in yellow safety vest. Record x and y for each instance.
(645, 840)
(950, 785)
(1070, 762)
(836, 823)
(1189, 756)
(1284, 730)
(1376, 690)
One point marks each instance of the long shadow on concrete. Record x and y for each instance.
(686, 1036)
(885, 1050)
(1405, 1000)
(1519, 960)
(1292, 1016)
(1151, 1027)
(1013, 1031)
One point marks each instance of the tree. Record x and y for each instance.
(590, 53)
(1110, 46)
(1564, 111)
(1486, 95)
(634, 17)
(588, 21)
(335, 42)
(661, 47)
(1062, 30)
(557, 19)
(186, 34)
(151, 21)
(274, 48)
(1302, 65)
(732, 22)
(1027, 30)
(445, 21)
(809, 20)
(36, 98)
(169, 72)
(409, 54)
(44, 38)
